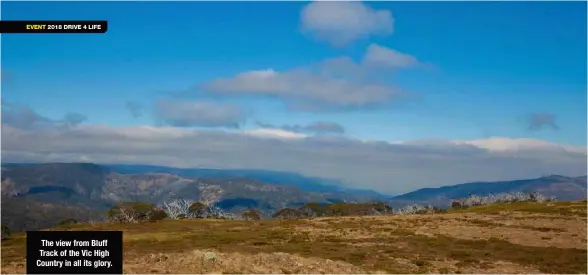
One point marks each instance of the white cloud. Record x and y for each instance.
(274, 133)
(377, 55)
(303, 86)
(379, 165)
(336, 83)
(341, 22)
(198, 113)
(318, 127)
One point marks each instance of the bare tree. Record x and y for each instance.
(128, 216)
(210, 194)
(414, 209)
(177, 208)
(216, 212)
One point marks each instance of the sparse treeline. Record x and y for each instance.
(186, 209)
(511, 197)
(131, 212)
(176, 209)
(476, 200)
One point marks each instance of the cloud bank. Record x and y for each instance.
(392, 167)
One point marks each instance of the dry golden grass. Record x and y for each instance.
(518, 238)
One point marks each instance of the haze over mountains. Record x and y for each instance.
(283, 178)
(41, 195)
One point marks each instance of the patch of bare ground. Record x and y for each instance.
(437, 243)
(542, 232)
(449, 266)
(431, 225)
(235, 263)
(501, 267)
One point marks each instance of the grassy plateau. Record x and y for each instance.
(507, 238)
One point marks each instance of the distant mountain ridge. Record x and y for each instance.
(98, 187)
(40, 195)
(311, 184)
(561, 187)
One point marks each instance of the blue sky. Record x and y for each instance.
(430, 70)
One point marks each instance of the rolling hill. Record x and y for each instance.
(561, 187)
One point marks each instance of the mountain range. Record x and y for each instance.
(561, 187)
(92, 189)
(312, 184)
(40, 195)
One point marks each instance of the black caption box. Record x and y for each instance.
(74, 252)
(19, 26)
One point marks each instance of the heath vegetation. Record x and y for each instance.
(507, 237)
